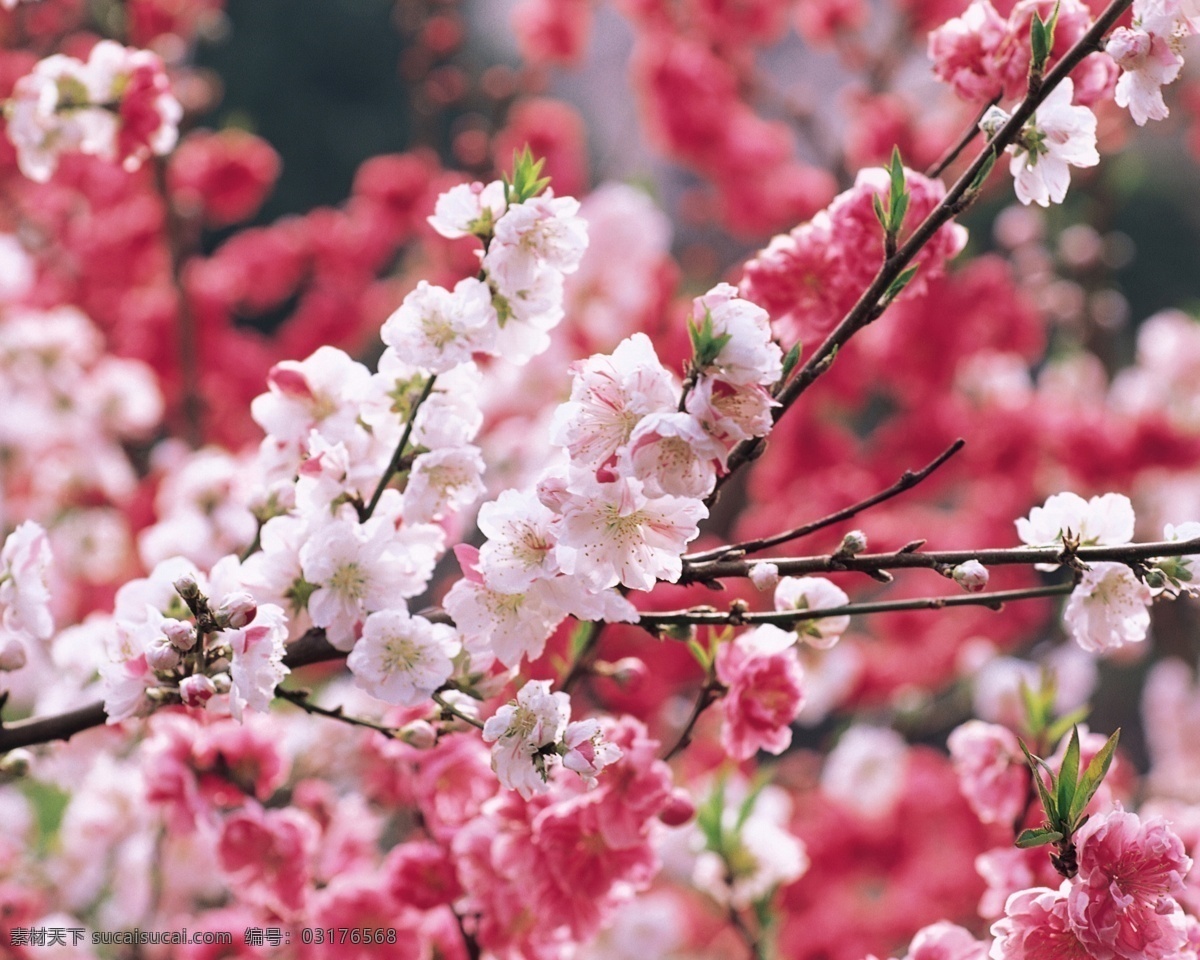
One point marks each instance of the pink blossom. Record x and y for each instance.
(256, 666)
(750, 355)
(1148, 62)
(866, 770)
(946, 941)
(764, 692)
(991, 772)
(402, 659)
(814, 593)
(524, 734)
(1120, 902)
(25, 563)
(1059, 136)
(437, 329)
(616, 534)
(1035, 927)
(269, 854)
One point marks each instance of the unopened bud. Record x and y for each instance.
(419, 734)
(628, 672)
(161, 656)
(222, 682)
(678, 809)
(14, 765)
(972, 576)
(196, 690)
(12, 655)
(236, 610)
(764, 575)
(180, 634)
(187, 587)
(1155, 579)
(991, 122)
(853, 543)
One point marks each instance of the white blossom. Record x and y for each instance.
(1059, 136)
(814, 593)
(520, 733)
(402, 659)
(1109, 608)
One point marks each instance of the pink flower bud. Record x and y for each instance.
(180, 634)
(237, 610)
(1129, 48)
(12, 655)
(161, 656)
(972, 576)
(678, 810)
(187, 587)
(853, 543)
(419, 734)
(196, 690)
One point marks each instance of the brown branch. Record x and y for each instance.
(582, 663)
(908, 559)
(302, 699)
(909, 480)
(398, 455)
(709, 694)
(706, 616)
(964, 141)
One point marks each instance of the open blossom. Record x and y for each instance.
(402, 659)
(524, 734)
(865, 771)
(1059, 136)
(544, 231)
(510, 627)
(750, 355)
(616, 534)
(1035, 927)
(991, 773)
(437, 329)
(673, 454)
(1148, 62)
(257, 667)
(355, 573)
(1129, 869)
(521, 541)
(469, 208)
(609, 396)
(1100, 521)
(814, 593)
(1108, 608)
(764, 692)
(587, 751)
(118, 105)
(24, 591)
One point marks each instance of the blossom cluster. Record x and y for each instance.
(117, 105)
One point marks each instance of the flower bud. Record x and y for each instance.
(1129, 48)
(181, 634)
(764, 575)
(222, 682)
(187, 587)
(196, 690)
(14, 765)
(12, 655)
(161, 656)
(853, 543)
(628, 672)
(419, 734)
(237, 610)
(972, 576)
(678, 810)
(991, 122)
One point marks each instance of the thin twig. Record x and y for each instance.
(706, 697)
(909, 480)
(908, 559)
(398, 455)
(452, 710)
(706, 616)
(581, 665)
(964, 141)
(738, 923)
(302, 699)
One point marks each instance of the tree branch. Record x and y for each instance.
(906, 482)
(909, 557)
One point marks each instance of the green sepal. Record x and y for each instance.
(1037, 837)
(709, 815)
(1092, 777)
(706, 345)
(579, 638)
(699, 653)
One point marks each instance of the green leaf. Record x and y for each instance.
(898, 285)
(790, 361)
(880, 214)
(1039, 43)
(699, 653)
(1092, 777)
(526, 181)
(709, 815)
(1057, 730)
(706, 345)
(1037, 838)
(896, 170)
(1044, 794)
(984, 171)
(1068, 773)
(580, 637)
(757, 785)
(899, 209)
